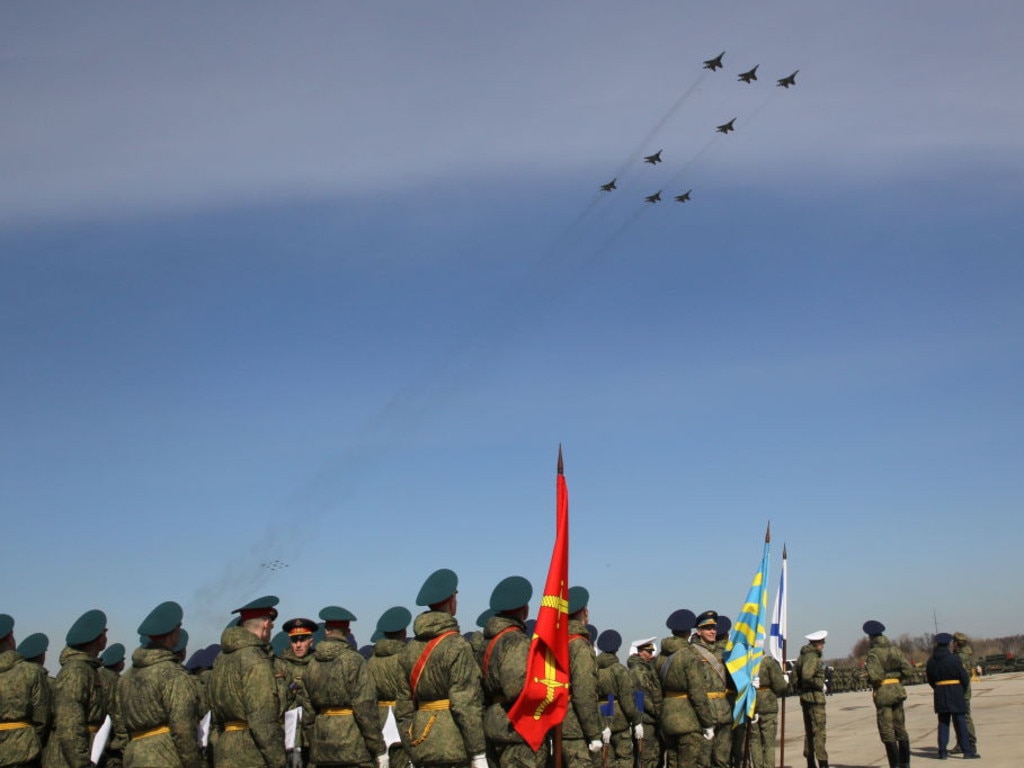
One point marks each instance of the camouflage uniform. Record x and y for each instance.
(386, 671)
(771, 685)
(113, 754)
(887, 668)
(686, 710)
(503, 664)
(294, 669)
(245, 702)
(442, 721)
(966, 655)
(810, 673)
(157, 705)
(346, 726)
(79, 708)
(25, 706)
(583, 722)
(613, 679)
(645, 678)
(716, 679)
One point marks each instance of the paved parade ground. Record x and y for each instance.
(997, 707)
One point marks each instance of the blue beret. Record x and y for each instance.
(161, 620)
(211, 652)
(196, 660)
(261, 606)
(366, 651)
(34, 645)
(531, 624)
(943, 638)
(579, 598)
(439, 586)
(114, 654)
(723, 626)
(336, 613)
(394, 619)
(682, 620)
(592, 632)
(484, 617)
(87, 627)
(609, 641)
(872, 627)
(511, 593)
(182, 643)
(707, 619)
(279, 643)
(6, 625)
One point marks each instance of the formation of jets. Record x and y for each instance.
(274, 565)
(710, 64)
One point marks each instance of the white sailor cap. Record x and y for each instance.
(821, 634)
(633, 646)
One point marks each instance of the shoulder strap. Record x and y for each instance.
(709, 658)
(417, 670)
(491, 646)
(663, 668)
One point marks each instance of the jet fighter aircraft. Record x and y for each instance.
(609, 186)
(684, 197)
(750, 76)
(655, 198)
(653, 159)
(715, 63)
(726, 127)
(785, 82)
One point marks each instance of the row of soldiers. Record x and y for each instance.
(430, 700)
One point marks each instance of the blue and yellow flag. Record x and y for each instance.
(744, 651)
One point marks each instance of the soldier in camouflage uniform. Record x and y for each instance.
(157, 703)
(244, 693)
(503, 660)
(708, 652)
(439, 706)
(771, 683)
(583, 730)
(346, 728)
(25, 703)
(645, 679)
(616, 685)
(294, 660)
(386, 670)
(810, 675)
(887, 669)
(79, 705)
(687, 719)
(961, 647)
(112, 660)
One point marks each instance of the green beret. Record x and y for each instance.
(162, 620)
(579, 598)
(376, 636)
(484, 617)
(261, 606)
(34, 645)
(394, 619)
(439, 586)
(280, 642)
(511, 593)
(114, 654)
(337, 613)
(182, 643)
(233, 623)
(6, 625)
(87, 628)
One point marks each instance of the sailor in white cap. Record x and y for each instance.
(810, 675)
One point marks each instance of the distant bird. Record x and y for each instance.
(715, 63)
(726, 127)
(750, 76)
(653, 159)
(609, 186)
(655, 198)
(684, 197)
(785, 82)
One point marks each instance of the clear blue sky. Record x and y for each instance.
(329, 285)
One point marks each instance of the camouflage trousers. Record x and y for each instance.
(617, 754)
(814, 730)
(686, 751)
(650, 747)
(575, 754)
(520, 755)
(892, 725)
(762, 740)
(718, 751)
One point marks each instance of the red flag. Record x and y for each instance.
(545, 697)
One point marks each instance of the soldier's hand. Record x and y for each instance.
(638, 731)
(755, 682)
(755, 718)
(606, 736)
(383, 761)
(595, 745)
(479, 761)
(709, 734)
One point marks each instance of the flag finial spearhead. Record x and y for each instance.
(560, 467)
(768, 533)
